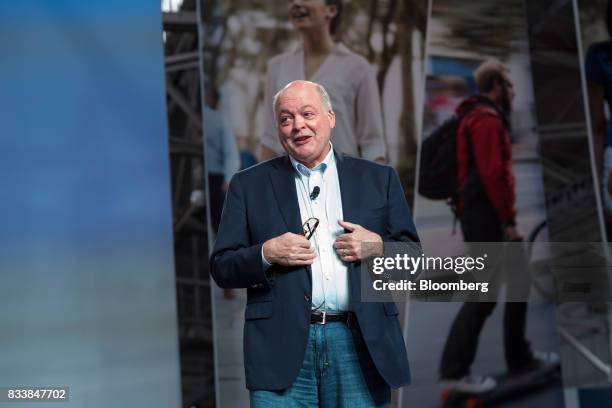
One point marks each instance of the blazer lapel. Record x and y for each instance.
(350, 193)
(283, 183)
(349, 189)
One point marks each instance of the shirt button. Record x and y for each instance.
(328, 277)
(307, 298)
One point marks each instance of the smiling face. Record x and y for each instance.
(308, 14)
(304, 125)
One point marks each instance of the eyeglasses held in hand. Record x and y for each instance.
(310, 226)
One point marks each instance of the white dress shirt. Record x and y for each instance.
(330, 286)
(351, 83)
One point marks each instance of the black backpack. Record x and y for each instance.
(438, 179)
(438, 169)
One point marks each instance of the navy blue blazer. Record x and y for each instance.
(261, 204)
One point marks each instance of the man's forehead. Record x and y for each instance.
(310, 98)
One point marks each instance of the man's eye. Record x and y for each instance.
(284, 120)
(308, 115)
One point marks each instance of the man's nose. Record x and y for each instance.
(298, 122)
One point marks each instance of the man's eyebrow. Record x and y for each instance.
(300, 109)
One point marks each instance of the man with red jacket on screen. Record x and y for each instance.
(486, 209)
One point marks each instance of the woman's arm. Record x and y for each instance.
(369, 120)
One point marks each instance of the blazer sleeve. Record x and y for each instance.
(401, 235)
(400, 227)
(234, 261)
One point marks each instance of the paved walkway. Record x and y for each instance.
(428, 326)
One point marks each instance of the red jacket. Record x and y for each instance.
(492, 152)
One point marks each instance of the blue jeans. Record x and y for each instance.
(337, 372)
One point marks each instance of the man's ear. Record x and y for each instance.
(332, 118)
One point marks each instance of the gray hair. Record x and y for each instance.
(325, 99)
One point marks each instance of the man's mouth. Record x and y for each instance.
(300, 140)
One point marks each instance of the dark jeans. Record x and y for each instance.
(479, 223)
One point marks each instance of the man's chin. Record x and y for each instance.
(303, 150)
(302, 157)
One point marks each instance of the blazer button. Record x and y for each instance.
(307, 298)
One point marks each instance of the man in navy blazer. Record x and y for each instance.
(308, 338)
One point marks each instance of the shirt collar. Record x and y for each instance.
(305, 171)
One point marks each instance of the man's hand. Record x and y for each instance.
(289, 250)
(512, 234)
(349, 246)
